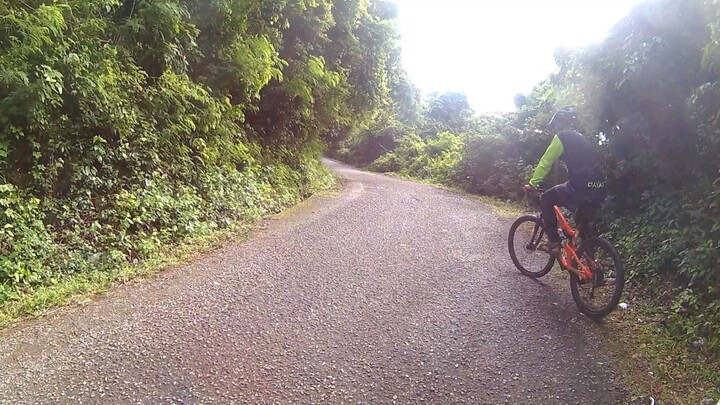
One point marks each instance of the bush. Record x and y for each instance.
(25, 243)
(434, 159)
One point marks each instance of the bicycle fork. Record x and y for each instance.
(536, 238)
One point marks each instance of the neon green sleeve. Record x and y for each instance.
(553, 153)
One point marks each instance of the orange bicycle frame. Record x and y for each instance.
(570, 257)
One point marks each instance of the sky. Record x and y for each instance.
(494, 49)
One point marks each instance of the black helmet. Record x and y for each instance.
(565, 118)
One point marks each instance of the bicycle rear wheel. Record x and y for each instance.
(600, 295)
(526, 233)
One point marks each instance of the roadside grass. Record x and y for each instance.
(658, 364)
(81, 288)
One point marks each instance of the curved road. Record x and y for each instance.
(393, 292)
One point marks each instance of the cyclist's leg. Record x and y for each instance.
(560, 195)
(584, 219)
(588, 207)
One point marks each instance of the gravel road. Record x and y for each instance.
(392, 292)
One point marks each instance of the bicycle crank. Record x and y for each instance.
(579, 273)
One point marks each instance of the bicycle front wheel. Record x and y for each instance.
(598, 296)
(525, 235)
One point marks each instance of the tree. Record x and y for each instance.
(448, 112)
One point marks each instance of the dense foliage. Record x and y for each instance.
(127, 125)
(650, 96)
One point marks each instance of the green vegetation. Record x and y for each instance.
(650, 95)
(131, 127)
(128, 127)
(81, 287)
(661, 366)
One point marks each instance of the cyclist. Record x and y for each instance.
(584, 191)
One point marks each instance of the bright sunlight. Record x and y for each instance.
(492, 50)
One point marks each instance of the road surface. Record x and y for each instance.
(392, 292)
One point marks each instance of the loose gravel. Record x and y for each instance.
(392, 292)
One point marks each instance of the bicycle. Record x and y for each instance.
(594, 264)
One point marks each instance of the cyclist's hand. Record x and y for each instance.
(530, 189)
